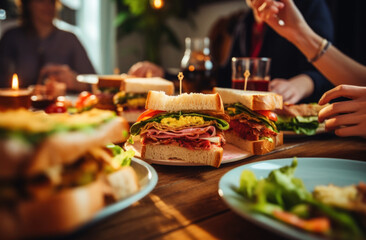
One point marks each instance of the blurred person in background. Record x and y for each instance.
(39, 52)
(347, 118)
(244, 34)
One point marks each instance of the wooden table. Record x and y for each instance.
(185, 203)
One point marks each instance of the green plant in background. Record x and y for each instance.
(140, 16)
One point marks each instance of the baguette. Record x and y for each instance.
(184, 102)
(254, 100)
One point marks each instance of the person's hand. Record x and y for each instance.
(59, 73)
(294, 89)
(347, 118)
(55, 88)
(146, 69)
(272, 12)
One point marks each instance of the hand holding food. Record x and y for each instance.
(347, 118)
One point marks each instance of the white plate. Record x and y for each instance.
(231, 154)
(88, 78)
(313, 172)
(147, 178)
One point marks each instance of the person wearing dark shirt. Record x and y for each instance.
(38, 51)
(292, 75)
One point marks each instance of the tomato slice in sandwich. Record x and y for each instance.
(269, 114)
(148, 114)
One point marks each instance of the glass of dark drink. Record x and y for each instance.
(197, 66)
(258, 68)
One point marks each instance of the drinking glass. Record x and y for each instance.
(197, 66)
(258, 68)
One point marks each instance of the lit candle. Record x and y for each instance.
(13, 98)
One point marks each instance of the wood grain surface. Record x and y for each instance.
(185, 203)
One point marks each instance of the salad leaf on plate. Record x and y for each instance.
(284, 197)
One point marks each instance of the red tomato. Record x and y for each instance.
(57, 107)
(85, 99)
(148, 114)
(267, 113)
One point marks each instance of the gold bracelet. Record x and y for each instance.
(322, 49)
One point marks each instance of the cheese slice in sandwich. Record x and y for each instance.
(131, 98)
(188, 127)
(252, 126)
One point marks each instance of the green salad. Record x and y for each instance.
(284, 197)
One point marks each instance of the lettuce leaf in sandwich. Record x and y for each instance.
(239, 109)
(219, 123)
(298, 124)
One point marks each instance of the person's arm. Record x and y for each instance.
(309, 84)
(334, 65)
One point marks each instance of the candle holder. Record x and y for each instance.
(14, 98)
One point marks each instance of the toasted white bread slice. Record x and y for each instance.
(184, 102)
(254, 100)
(143, 85)
(255, 147)
(303, 110)
(59, 148)
(59, 213)
(111, 80)
(211, 157)
(123, 183)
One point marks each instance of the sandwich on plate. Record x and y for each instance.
(187, 127)
(300, 118)
(252, 120)
(131, 98)
(105, 88)
(58, 170)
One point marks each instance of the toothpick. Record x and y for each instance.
(246, 76)
(180, 77)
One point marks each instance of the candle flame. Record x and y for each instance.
(15, 82)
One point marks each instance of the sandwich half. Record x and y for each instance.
(188, 127)
(58, 170)
(130, 100)
(252, 122)
(300, 118)
(105, 88)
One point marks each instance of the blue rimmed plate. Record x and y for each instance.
(313, 172)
